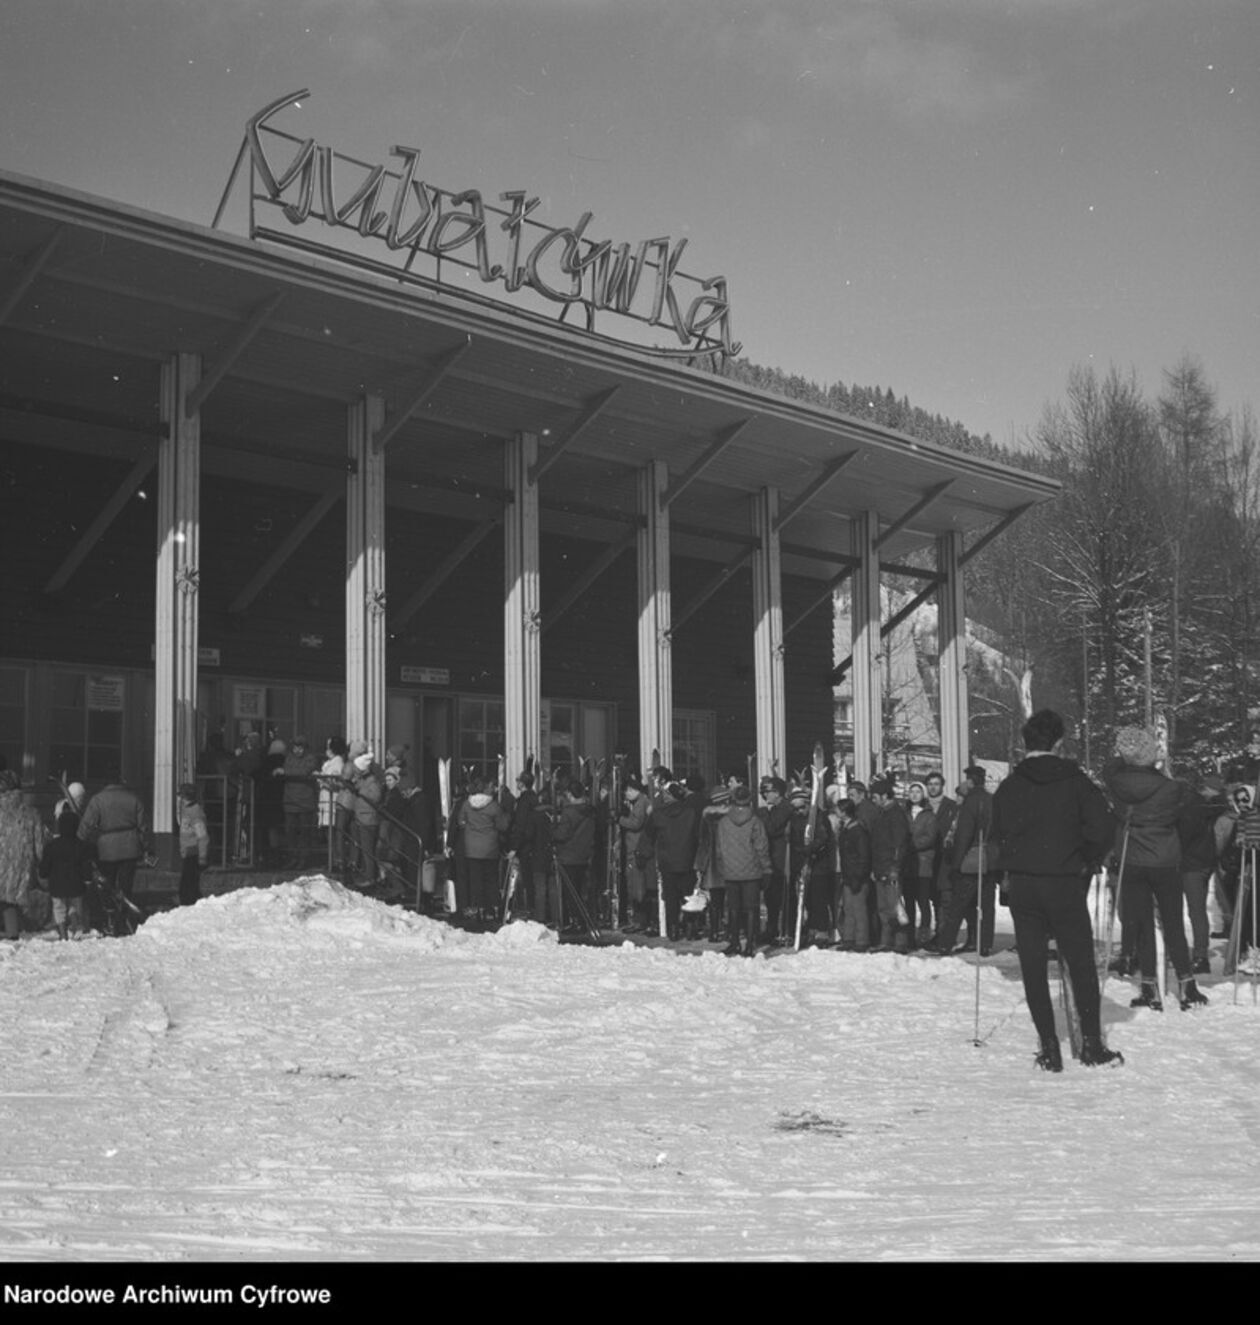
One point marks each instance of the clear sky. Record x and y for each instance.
(957, 198)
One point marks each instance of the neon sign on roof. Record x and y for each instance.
(395, 211)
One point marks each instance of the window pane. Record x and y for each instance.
(65, 726)
(104, 727)
(67, 690)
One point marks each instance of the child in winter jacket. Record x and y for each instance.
(67, 865)
(194, 845)
(482, 823)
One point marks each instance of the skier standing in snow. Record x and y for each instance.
(921, 864)
(632, 821)
(854, 850)
(67, 865)
(1153, 804)
(116, 824)
(573, 836)
(1053, 828)
(946, 810)
(972, 822)
(675, 834)
(741, 854)
(776, 815)
(521, 834)
(890, 845)
(482, 824)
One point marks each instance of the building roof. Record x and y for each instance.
(96, 295)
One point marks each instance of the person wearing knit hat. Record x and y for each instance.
(1151, 805)
(674, 829)
(776, 814)
(300, 800)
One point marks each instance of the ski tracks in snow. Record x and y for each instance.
(303, 1073)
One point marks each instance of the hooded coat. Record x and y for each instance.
(21, 841)
(675, 830)
(1049, 818)
(482, 820)
(1152, 804)
(741, 849)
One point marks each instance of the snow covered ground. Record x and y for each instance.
(306, 1074)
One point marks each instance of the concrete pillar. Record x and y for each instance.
(868, 696)
(522, 622)
(656, 699)
(178, 582)
(365, 576)
(772, 754)
(951, 628)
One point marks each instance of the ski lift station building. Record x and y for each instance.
(390, 462)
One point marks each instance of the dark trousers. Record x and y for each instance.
(1045, 906)
(775, 891)
(1145, 887)
(676, 884)
(122, 874)
(962, 907)
(1194, 887)
(189, 880)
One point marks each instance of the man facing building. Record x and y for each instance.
(1054, 827)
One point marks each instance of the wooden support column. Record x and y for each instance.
(868, 699)
(656, 677)
(522, 635)
(365, 576)
(772, 753)
(951, 626)
(175, 625)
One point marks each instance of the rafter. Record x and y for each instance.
(586, 580)
(888, 627)
(993, 531)
(696, 603)
(106, 517)
(441, 366)
(590, 412)
(711, 453)
(443, 571)
(832, 585)
(237, 346)
(288, 546)
(38, 261)
(931, 495)
(799, 503)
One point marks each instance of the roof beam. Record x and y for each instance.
(443, 571)
(993, 531)
(696, 603)
(288, 546)
(797, 505)
(832, 585)
(888, 627)
(235, 348)
(579, 587)
(441, 366)
(590, 412)
(34, 265)
(931, 495)
(106, 517)
(711, 453)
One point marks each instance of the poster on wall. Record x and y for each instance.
(249, 702)
(105, 692)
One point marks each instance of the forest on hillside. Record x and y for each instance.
(1139, 585)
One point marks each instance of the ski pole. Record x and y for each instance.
(1115, 906)
(976, 1040)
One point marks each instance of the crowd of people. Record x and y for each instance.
(870, 867)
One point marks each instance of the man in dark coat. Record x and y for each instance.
(776, 815)
(972, 823)
(674, 827)
(890, 845)
(1053, 828)
(116, 824)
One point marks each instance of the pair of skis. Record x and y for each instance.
(817, 792)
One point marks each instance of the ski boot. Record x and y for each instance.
(1050, 1059)
(1148, 998)
(1094, 1053)
(1190, 996)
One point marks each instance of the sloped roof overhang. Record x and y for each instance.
(95, 295)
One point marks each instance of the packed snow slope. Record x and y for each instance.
(304, 1073)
